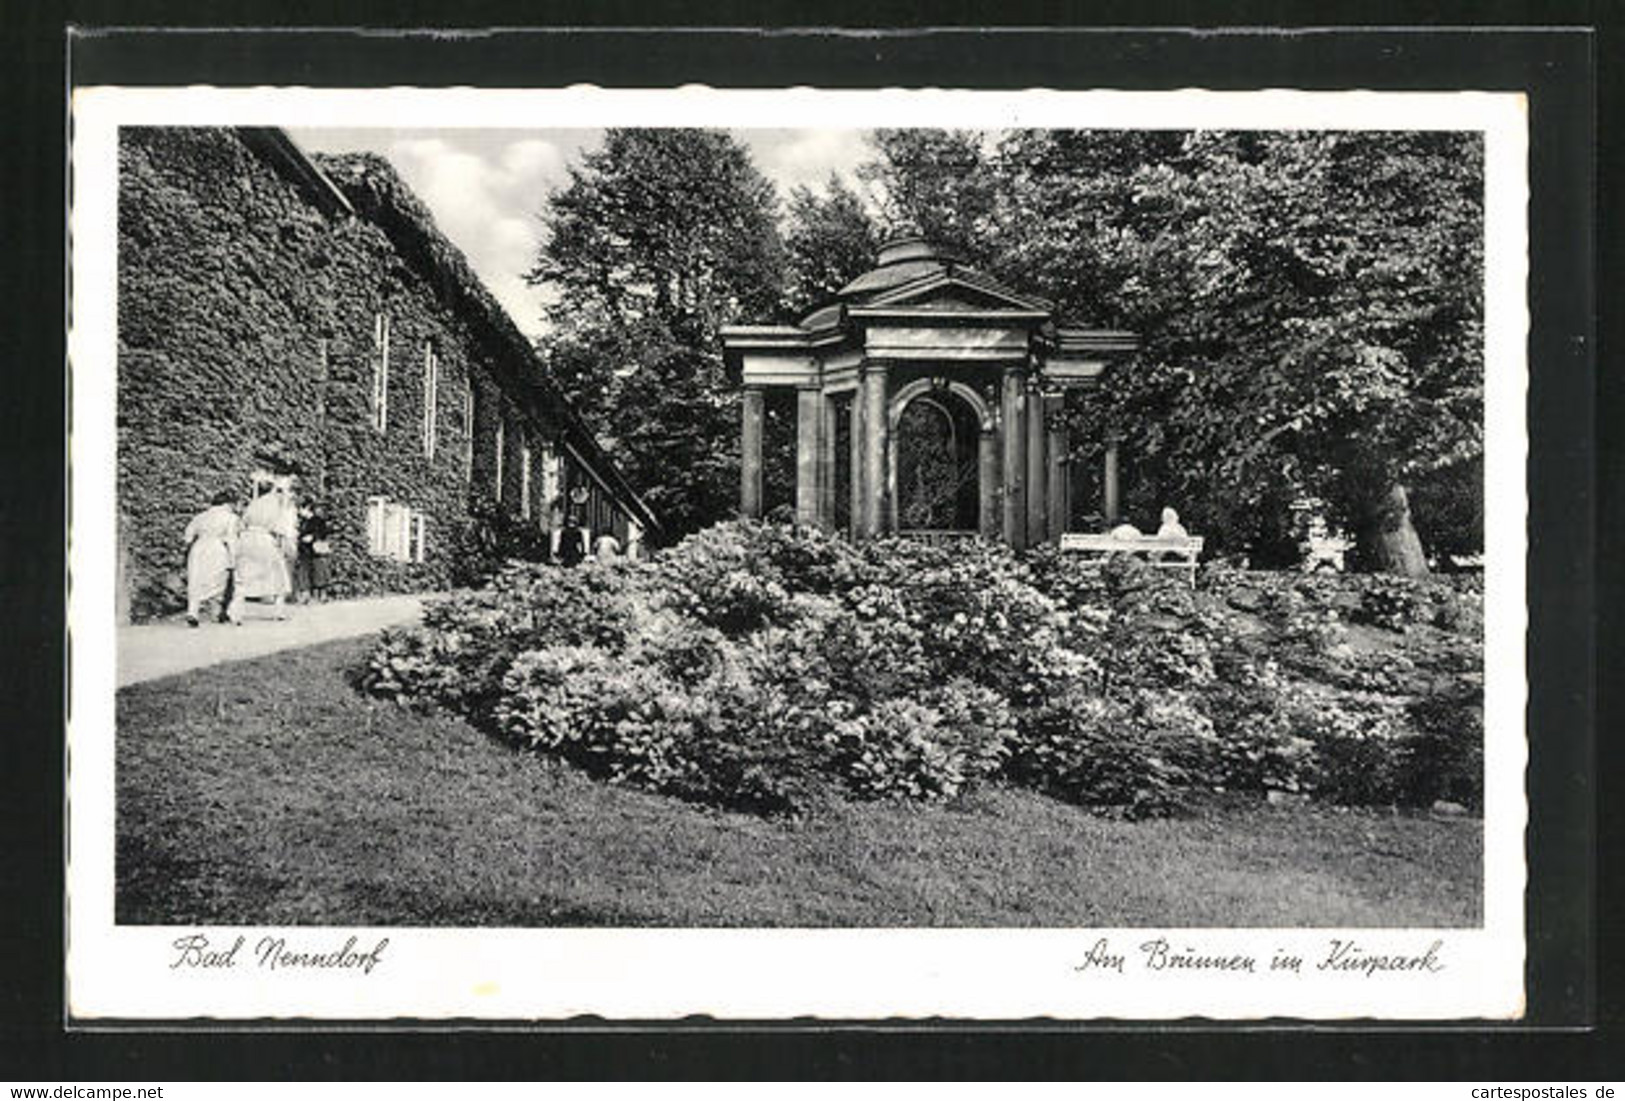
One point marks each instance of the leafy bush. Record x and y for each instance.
(1445, 757)
(1261, 752)
(1356, 751)
(762, 667)
(922, 749)
(491, 537)
(1396, 603)
(1087, 750)
(468, 641)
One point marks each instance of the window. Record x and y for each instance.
(468, 429)
(524, 481)
(376, 508)
(431, 398)
(395, 531)
(501, 446)
(420, 525)
(380, 372)
(550, 480)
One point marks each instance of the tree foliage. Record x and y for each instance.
(659, 238)
(1309, 304)
(941, 185)
(830, 239)
(1310, 307)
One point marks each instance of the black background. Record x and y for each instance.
(1575, 479)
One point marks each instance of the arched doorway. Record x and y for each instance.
(936, 474)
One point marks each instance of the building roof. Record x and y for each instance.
(911, 265)
(369, 186)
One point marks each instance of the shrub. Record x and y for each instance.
(732, 741)
(491, 537)
(1444, 759)
(468, 641)
(615, 719)
(1396, 603)
(977, 616)
(1071, 581)
(1261, 752)
(424, 667)
(1356, 754)
(925, 749)
(1087, 750)
(762, 667)
(730, 577)
(1460, 609)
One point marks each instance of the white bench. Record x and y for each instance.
(1164, 552)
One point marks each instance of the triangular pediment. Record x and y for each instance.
(949, 291)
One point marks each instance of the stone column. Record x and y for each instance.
(1037, 470)
(750, 452)
(987, 483)
(1056, 443)
(826, 461)
(809, 445)
(1113, 505)
(855, 435)
(1014, 429)
(876, 430)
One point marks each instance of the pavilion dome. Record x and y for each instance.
(902, 260)
(905, 262)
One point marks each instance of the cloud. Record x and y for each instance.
(792, 158)
(485, 188)
(482, 194)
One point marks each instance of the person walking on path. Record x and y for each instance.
(313, 569)
(269, 527)
(572, 542)
(211, 548)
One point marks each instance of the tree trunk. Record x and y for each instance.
(1387, 538)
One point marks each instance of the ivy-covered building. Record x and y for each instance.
(282, 315)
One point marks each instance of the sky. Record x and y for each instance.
(487, 188)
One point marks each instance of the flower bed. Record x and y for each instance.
(761, 667)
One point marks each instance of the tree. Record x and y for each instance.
(660, 238)
(1309, 304)
(830, 240)
(939, 184)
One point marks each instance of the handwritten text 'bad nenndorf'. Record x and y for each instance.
(275, 953)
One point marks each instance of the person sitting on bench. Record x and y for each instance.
(1171, 527)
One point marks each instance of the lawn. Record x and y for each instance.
(273, 792)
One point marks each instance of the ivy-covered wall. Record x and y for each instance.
(246, 340)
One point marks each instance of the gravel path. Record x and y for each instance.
(154, 650)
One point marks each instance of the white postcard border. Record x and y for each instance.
(124, 972)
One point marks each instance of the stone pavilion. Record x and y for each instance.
(927, 396)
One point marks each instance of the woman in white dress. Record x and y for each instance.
(269, 527)
(211, 546)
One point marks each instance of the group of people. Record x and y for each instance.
(273, 550)
(573, 544)
(1171, 528)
